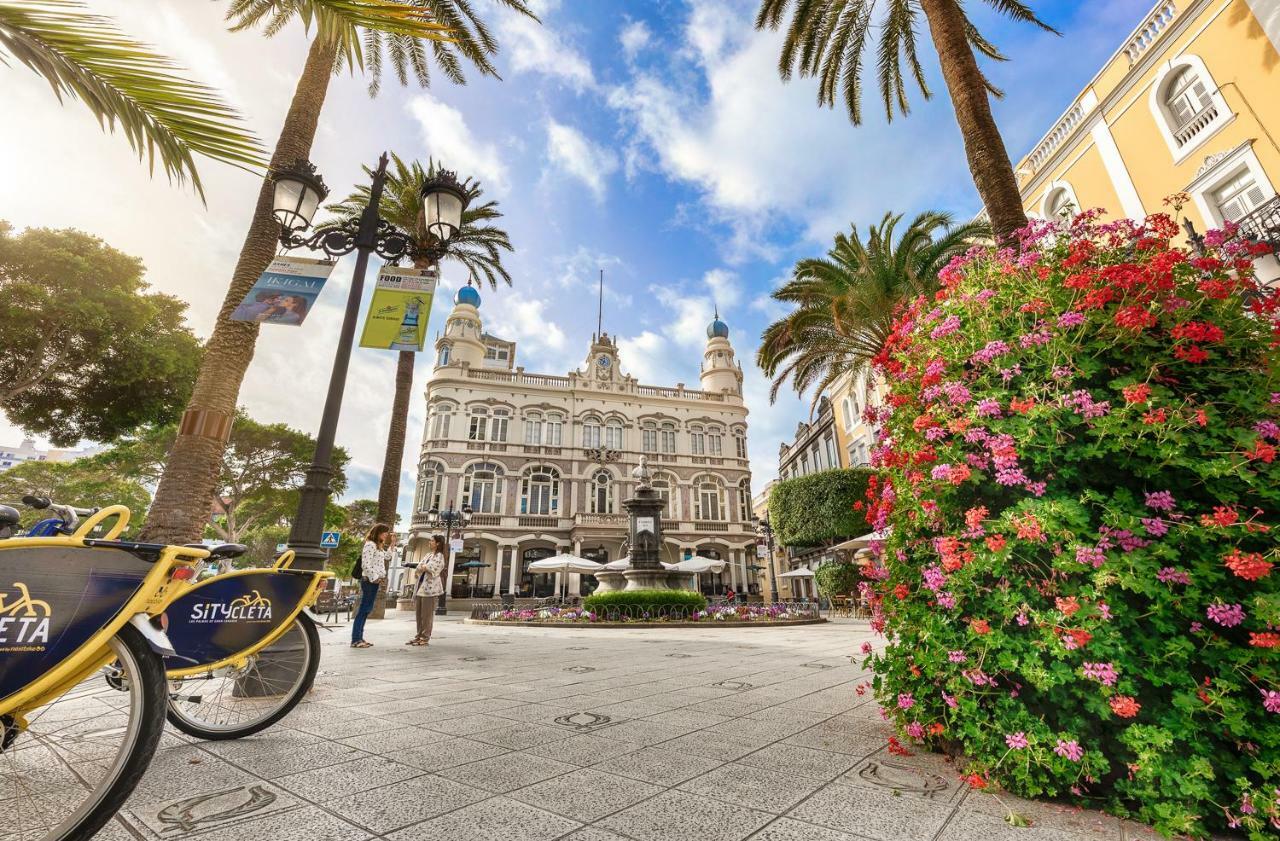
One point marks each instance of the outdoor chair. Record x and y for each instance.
(330, 603)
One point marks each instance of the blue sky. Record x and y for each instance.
(651, 139)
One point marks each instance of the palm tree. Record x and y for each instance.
(163, 116)
(351, 34)
(845, 302)
(827, 39)
(477, 245)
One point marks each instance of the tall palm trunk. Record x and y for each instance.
(389, 487)
(184, 496)
(988, 161)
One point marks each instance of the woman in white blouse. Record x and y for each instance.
(429, 590)
(375, 557)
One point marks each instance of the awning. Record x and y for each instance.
(565, 563)
(699, 565)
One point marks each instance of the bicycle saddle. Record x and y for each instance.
(8, 516)
(226, 550)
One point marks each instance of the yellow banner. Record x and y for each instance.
(397, 318)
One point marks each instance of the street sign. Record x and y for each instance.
(455, 545)
(761, 552)
(329, 539)
(280, 547)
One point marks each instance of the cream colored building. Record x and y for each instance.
(545, 461)
(814, 447)
(1189, 102)
(850, 397)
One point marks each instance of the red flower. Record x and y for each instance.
(1190, 353)
(1124, 706)
(896, 748)
(976, 781)
(1248, 565)
(1080, 636)
(1262, 451)
(1155, 417)
(1201, 417)
(996, 542)
(936, 729)
(1222, 516)
(1264, 639)
(1139, 393)
(1069, 606)
(1198, 331)
(1134, 318)
(980, 627)
(1022, 406)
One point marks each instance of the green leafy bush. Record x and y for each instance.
(638, 602)
(815, 509)
(1081, 479)
(836, 578)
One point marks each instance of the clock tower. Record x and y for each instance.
(602, 359)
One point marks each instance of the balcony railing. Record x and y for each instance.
(1263, 224)
(1195, 124)
(610, 520)
(1149, 30)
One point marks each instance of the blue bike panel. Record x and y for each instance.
(53, 599)
(224, 615)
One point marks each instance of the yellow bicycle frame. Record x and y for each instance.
(96, 651)
(238, 659)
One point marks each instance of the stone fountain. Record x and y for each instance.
(645, 510)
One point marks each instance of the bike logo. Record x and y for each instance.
(253, 607)
(24, 622)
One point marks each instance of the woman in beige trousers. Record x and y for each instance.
(428, 590)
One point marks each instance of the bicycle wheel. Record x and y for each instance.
(80, 756)
(233, 703)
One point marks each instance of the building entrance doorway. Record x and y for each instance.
(601, 556)
(536, 584)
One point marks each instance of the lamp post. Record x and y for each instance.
(449, 520)
(298, 193)
(765, 529)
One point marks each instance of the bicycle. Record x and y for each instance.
(73, 745)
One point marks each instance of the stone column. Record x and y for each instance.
(498, 557)
(513, 582)
(575, 578)
(732, 562)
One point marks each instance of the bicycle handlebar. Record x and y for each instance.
(42, 502)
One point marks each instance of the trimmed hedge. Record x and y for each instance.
(837, 578)
(652, 601)
(818, 508)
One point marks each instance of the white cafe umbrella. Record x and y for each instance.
(624, 563)
(565, 564)
(802, 572)
(864, 541)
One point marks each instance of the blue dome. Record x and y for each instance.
(717, 330)
(467, 295)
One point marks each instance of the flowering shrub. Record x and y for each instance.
(1079, 470)
(715, 613)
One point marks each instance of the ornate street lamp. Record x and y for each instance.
(449, 520)
(765, 530)
(298, 193)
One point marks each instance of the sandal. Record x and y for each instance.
(362, 644)
(416, 641)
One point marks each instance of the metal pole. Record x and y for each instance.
(773, 570)
(308, 524)
(442, 606)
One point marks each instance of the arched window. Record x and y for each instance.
(744, 501)
(479, 427)
(649, 437)
(540, 490)
(666, 488)
(740, 443)
(591, 432)
(482, 488)
(697, 440)
(501, 418)
(430, 486)
(715, 441)
(1060, 203)
(1187, 105)
(708, 499)
(440, 414)
(600, 493)
(555, 429)
(613, 435)
(667, 438)
(443, 357)
(533, 428)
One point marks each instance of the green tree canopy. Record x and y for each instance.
(83, 483)
(88, 351)
(817, 509)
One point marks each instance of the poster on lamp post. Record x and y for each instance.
(397, 318)
(285, 292)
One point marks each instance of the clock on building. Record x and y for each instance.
(603, 361)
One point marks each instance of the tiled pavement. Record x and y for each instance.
(713, 734)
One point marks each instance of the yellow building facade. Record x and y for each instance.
(1189, 102)
(850, 396)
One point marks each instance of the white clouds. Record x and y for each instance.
(571, 152)
(539, 48)
(635, 36)
(724, 286)
(447, 138)
(760, 151)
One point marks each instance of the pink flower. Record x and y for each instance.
(1226, 615)
(906, 701)
(948, 326)
(1160, 501)
(866, 648)
(1155, 526)
(1022, 619)
(1169, 575)
(1104, 673)
(1069, 749)
(1270, 700)
(915, 730)
(957, 656)
(1091, 555)
(1016, 741)
(988, 408)
(951, 700)
(1071, 319)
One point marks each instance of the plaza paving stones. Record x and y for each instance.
(493, 734)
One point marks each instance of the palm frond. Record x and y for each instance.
(163, 116)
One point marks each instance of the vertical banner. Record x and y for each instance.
(397, 318)
(285, 292)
